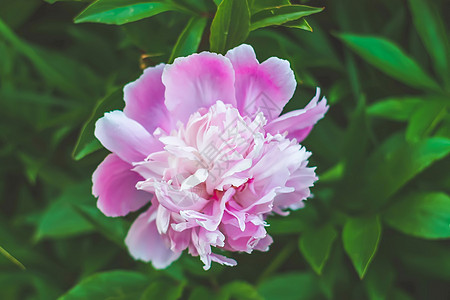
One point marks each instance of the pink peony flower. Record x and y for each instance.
(203, 142)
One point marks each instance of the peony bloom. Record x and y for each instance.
(202, 141)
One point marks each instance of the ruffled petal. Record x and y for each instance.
(114, 185)
(265, 87)
(298, 123)
(145, 243)
(144, 100)
(125, 137)
(197, 81)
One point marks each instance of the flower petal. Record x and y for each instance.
(144, 100)
(145, 243)
(125, 137)
(265, 87)
(298, 123)
(114, 185)
(196, 81)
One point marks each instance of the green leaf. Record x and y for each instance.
(433, 34)
(281, 15)
(239, 290)
(57, 76)
(61, 219)
(257, 5)
(163, 289)
(119, 12)
(424, 118)
(315, 246)
(108, 285)
(380, 279)
(395, 163)
(11, 258)
(230, 26)
(361, 237)
(397, 109)
(425, 215)
(299, 24)
(87, 143)
(390, 59)
(189, 39)
(201, 293)
(290, 286)
(425, 257)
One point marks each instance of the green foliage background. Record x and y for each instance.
(379, 224)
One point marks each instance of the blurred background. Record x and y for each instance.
(379, 223)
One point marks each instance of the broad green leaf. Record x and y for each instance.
(361, 237)
(395, 163)
(61, 219)
(290, 286)
(163, 289)
(281, 15)
(425, 215)
(189, 39)
(397, 109)
(431, 29)
(239, 290)
(257, 5)
(390, 59)
(333, 174)
(424, 118)
(201, 293)
(119, 12)
(109, 285)
(112, 229)
(11, 258)
(297, 222)
(87, 143)
(315, 246)
(230, 26)
(379, 280)
(420, 256)
(300, 24)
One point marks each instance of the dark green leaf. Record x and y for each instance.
(290, 286)
(425, 215)
(361, 237)
(380, 280)
(87, 143)
(315, 246)
(189, 39)
(424, 118)
(397, 109)
(108, 285)
(433, 34)
(389, 58)
(230, 26)
(281, 15)
(55, 75)
(119, 12)
(163, 289)
(239, 290)
(396, 162)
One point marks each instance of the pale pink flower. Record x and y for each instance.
(203, 142)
